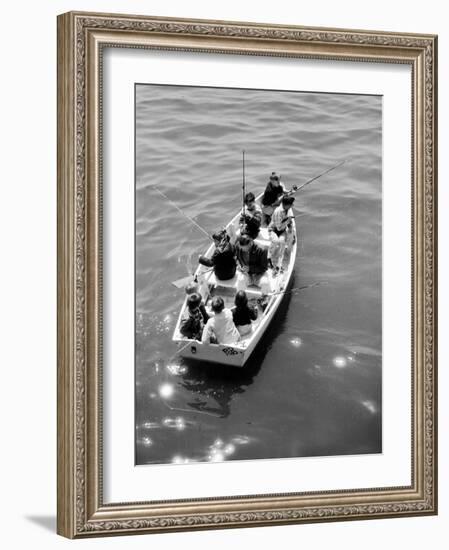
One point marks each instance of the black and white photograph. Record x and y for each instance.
(258, 274)
(225, 250)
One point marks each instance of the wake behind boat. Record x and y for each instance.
(236, 354)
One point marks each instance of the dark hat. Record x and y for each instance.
(193, 301)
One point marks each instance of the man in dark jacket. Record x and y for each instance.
(253, 264)
(272, 196)
(223, 257)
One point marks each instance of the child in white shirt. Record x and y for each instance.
(220, 325)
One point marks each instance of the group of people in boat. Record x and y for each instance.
(237, 255)
(221, 324)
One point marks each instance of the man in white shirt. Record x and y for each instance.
(281, 232)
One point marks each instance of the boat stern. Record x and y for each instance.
(213, 353)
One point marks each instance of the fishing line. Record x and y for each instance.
(297, 289)
(182, 212)
(316, 177)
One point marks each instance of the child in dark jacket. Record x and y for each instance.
(193, 288)
(243, 314)
(193, 320)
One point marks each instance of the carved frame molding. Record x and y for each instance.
(81, 39)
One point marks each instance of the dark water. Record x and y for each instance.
(313, 386)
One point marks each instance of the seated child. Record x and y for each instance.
(220, 325)
(193, 288)
(243, 314)
(192, 323)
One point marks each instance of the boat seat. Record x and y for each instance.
(253, 291)
(230, 283)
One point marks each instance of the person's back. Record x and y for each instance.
(253, 261)
(251, 256)
(221, 324)
(193, 288)
(193, 319)
(243, 314)
(258, 258)
(272, 193)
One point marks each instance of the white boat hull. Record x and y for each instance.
(236, 355)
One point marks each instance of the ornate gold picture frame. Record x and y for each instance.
(82, 40)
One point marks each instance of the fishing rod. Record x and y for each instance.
(296, 289)
(181, 283)
(295, 188)
(182, 212)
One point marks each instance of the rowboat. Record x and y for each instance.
(237, 354)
